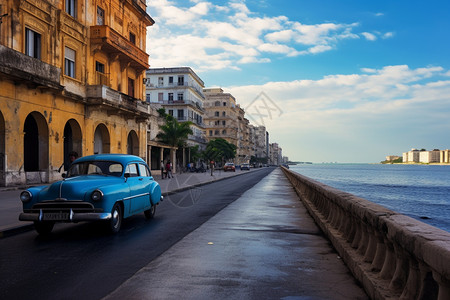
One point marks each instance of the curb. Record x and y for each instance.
(16, 230)
(28, 227)
(197, 185)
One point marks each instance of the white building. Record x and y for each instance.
(411, 156)
(429, 156)
(180, 91)
(444, 156)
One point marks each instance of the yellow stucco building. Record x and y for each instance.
(225, 119)
(71, 79)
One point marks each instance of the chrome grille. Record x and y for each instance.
(78, 206)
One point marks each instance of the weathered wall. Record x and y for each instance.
(392, 255)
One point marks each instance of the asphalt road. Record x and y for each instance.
(81, 261)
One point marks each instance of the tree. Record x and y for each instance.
(219, 149)
(195, 153)
(172, 132)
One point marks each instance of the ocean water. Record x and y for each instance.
(419, 191)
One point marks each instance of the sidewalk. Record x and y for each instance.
(11, 207)
(262, 246)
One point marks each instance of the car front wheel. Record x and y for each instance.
(116, 218)
(150, 213)
(43, 227)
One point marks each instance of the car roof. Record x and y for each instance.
(121, 158)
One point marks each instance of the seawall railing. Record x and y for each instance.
(392, 255)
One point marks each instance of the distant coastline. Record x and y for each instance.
(414, 163)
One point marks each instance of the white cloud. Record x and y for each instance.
(364, 110)
(388, 35)
(232, 35)
(369, 36)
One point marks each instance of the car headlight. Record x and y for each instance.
(25, 196)
(97, 195)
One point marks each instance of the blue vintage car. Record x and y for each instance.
(106, 187)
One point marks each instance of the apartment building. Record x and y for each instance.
(274, 154)
(243, 153)
(71, 80)
(444, 156)
(411, 156)
(222, 116)
(180, 92)
(261, 142)
(252, 140)
(429, 156)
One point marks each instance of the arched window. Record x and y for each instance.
(101, 139)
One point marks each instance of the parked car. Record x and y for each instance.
(229, 167)
(106, 187)
(245, 167)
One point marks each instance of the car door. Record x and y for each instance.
(138, 188)
(146, 181)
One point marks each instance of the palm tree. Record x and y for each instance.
(172, 132)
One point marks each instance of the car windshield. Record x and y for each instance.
(95, 168)
(229, 164)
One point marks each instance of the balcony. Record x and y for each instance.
(198, 139)
(182, 102)
(193, 120)
(175, 86)
(24, 68)
(112, 42)
(116, 103)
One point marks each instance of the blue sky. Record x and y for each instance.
(333, 81)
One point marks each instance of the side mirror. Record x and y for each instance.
(126, 175)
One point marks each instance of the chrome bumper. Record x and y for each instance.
(73, 217)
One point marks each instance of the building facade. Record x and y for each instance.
(444, 156)
(274, 155)
(71, 79)
(429, 156)
(180, 92)
(222, 117)
(261, 142)
(412, 156)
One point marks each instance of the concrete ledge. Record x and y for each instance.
(392, 255)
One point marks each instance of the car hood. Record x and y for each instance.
(75, 188)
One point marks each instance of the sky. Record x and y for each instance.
(345, 81)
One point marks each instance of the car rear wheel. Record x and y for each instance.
(116, 218)
(43, 227)
(150, 213)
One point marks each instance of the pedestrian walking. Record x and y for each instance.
(211, 165)
(169, 169)
(162, 169)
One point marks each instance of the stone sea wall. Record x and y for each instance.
(393, 256)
